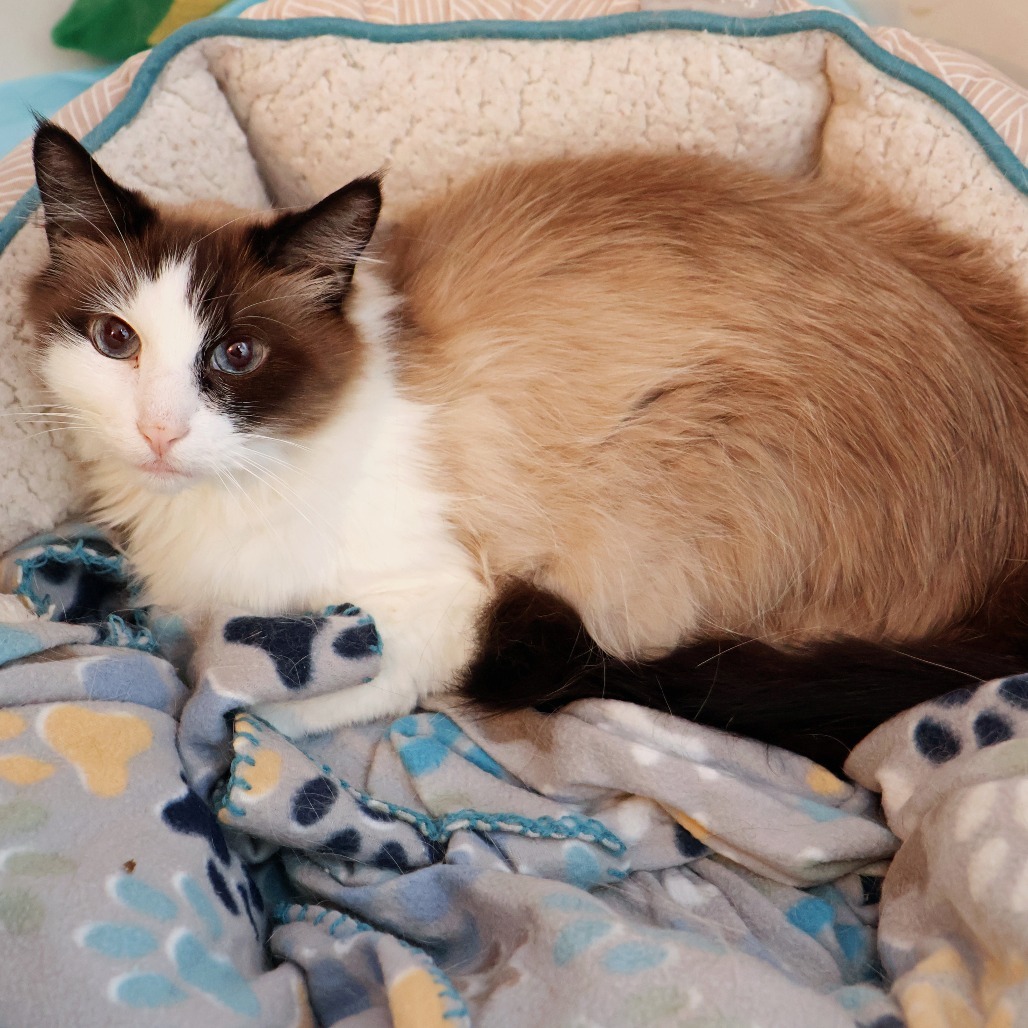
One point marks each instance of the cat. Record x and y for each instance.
(653, 426)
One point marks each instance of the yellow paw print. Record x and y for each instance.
(17, 769)
(99, 745)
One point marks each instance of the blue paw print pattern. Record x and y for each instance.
(823, 915)
(966, 720)
(165, 961)
(290, 640)
(134, 677)
(354, 832)
(286, 640)
(81, 581)
(303, 805)
(425, 741)
(189, 815)
(591, 934)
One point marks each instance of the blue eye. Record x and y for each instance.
(238, 356)
(114, 338)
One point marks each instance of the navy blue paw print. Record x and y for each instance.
(391, 856)
(287, 640)
(991, 727)
(357, 642)
(189, 815)
(1015, 691)
(688, 845)
(936, 741)
(313, 800)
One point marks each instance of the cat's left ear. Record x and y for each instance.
(79, 198)
(328, 238)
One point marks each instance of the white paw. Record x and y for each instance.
(357, 705)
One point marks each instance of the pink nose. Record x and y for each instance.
(161, 437)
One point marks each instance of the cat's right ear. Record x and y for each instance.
(327, 239)
(79, 198)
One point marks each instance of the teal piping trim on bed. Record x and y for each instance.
(586, 29)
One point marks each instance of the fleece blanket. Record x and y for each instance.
(604, 865)
(166, 858)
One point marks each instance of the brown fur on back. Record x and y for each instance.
(689, 399)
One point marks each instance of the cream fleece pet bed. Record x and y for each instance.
(271, 110)
(261, 109)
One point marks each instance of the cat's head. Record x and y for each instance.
(180, 338)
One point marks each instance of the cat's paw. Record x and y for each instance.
(357, 705)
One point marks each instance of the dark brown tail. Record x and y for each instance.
(819, 702)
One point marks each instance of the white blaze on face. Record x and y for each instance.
(172, 334)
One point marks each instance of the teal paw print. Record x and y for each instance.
(425, 741)
(196, 968)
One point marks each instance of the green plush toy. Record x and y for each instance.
(116, 29)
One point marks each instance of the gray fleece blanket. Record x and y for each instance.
(168, 859)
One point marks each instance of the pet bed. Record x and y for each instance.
(21, 99)
(603, 865)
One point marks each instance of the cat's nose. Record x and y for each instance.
(161, 437)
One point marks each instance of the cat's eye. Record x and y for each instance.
(114, 338)
(238, 356)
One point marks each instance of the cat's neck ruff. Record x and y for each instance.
(349, 502)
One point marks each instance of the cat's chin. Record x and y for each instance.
(162, 479)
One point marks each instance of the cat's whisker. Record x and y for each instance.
(284, 442)
(299, 295)
(114, 221)
(263, 475)
(44, 412)
(52, 431)
(286, 465)
(241, 495)
(52, 427)
(60, 206)
(57, 415)
(249, 455)
(49, 406)
(248, 216)
(265, 317)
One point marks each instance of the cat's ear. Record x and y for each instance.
(327, 238)
(79, 198)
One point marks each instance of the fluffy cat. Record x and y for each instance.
(579, 426)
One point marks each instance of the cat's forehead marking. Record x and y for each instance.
(161, 310)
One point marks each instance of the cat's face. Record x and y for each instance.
(184, 341)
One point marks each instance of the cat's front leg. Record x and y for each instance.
(428, 631)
